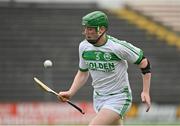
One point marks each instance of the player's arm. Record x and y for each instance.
(79, 80)
(135, 55)
(146, 75)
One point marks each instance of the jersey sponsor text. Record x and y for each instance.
(101, 66)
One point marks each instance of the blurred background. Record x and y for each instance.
(32, 31)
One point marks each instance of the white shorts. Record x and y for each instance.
(119, 102)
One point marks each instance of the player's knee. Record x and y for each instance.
(92, 123)
(118, 123)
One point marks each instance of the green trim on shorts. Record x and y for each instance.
(127, 103)
(106, 94)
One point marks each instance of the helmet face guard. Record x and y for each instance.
(96, 20)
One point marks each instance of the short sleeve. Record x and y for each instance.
(129, 52)
(82, 64)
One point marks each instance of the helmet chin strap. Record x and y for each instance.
(95, 40)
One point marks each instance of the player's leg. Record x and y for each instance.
(106, 117)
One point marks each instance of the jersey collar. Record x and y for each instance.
(103, 43)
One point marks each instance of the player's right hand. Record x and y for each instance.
(146, 99)
(64, 96)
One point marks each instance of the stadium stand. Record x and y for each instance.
(153, 28)
(165, 12)
(29, 35)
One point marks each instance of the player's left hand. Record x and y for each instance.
(146, 99)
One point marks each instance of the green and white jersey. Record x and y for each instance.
(107, 64)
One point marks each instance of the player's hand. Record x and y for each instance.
(146, 99)
(64, 96)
